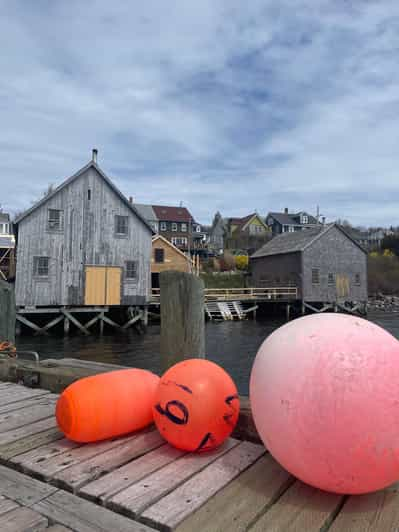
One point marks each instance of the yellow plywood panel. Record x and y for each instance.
(342, 283)
(95, 285)
(113, 286)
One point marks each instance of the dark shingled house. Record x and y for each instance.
(324, 262)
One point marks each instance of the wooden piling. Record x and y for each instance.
(182, 317)
(7, 312)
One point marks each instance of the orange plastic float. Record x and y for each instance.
(107, 405)
(196, 406)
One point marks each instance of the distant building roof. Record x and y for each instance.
(172, 214)
(146, 212)
(289, 218)
(296, 241)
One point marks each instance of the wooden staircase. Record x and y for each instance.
(224, 310)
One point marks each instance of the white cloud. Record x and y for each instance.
(220, 105)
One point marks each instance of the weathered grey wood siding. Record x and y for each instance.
(277, 270)
(334, 253)
(87, 238)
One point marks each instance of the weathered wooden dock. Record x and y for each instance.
(140, 483)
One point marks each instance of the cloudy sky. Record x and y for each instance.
(221, 104)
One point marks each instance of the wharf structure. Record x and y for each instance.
(83, 249)
(7, 248)
(326, 265)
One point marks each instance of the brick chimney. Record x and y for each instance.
(131, 199)
(286, 210)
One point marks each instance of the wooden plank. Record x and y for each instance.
(85, 516)
(19, 418)
(23, 520)
(31, 460)
(113, 286)
(58, 528)
(46, 399)
(75, 321)
(95, 285)
(28, 323)
(51, 466)
(368, 513)
(300, 508)
(27, 430)
(21, 488)
(28, 443)
(6, 505)
(110, 322)
(242, 501)
(108, 485)
(19, 393)
(191, 495)
(136, 498)
(75, 476)
(52, 323)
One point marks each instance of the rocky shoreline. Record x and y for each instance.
(383, 303)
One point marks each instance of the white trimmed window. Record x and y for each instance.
(174, 226)
(163, 226)
(184, 228)
(179, 241)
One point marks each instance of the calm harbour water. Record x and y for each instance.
(233, 345)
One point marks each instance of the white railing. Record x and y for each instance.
(243, 294)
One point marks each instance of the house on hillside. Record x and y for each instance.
(285, 222)
(176, 224)
(7, 248)
(166, 256)
(370, 239)
(246, 234)
(324, 262)
(84, 244)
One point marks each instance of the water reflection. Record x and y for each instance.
(233, 345)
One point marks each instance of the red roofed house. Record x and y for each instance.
(177, 225)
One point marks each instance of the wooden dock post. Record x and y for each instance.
(182, 317)
(7, 312)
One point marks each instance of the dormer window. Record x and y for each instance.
(55, 219)
(174, 226)
(305, 219)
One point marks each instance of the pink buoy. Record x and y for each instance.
(324, 393)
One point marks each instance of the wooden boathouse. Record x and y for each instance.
(328, 267)
(82, 248)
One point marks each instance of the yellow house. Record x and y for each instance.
(251, 224)
(166, 256)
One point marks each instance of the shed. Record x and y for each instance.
(166, 256)
(83, 244)
(324, 263)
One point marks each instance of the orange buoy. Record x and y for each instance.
(196, 405)
(107, 405)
